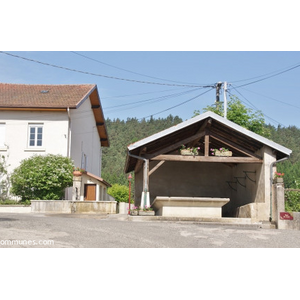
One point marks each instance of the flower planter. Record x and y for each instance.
(187, 152)
(223, 153)
(77, 173)
(134, 213)
(278, 180)
(147, 213)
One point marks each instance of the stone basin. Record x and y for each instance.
(200, 207)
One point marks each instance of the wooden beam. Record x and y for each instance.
(234, 146)
(206, 145)
(176, 145)
(212, 159)
(156, 167)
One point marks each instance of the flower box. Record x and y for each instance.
(147, 213)
(278, 180)
(187, 152)
(77, 173)
(134, 213)
(223, 153)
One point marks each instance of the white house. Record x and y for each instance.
(54, 119)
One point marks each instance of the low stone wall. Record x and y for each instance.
(122, 208)
(290, 224)
(68, 206)
(15, 209)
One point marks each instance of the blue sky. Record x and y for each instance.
(160, 83)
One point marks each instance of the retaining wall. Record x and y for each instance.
(68, 206)
(15, 209)
(290, 224)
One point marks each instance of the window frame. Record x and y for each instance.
(36, 140)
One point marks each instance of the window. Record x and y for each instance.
(35, 135)
(2, 135)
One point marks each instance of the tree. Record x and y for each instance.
(42, 177)
(119, 192)
(241, 115)
(4, 183)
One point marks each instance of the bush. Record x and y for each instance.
(119, 192)
(292, 201)
(42, 177)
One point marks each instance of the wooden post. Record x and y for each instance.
(206, 145)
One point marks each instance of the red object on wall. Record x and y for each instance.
(286, 216)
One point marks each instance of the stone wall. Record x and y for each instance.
(68, 206)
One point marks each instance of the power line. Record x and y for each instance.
(265, 78)
(155, 98)
(177, 105)
(257, 108)
(99, 75)
(132, 72)
(280, 101)
(265, 74)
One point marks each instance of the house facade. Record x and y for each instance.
(52, 119)
(238, 185)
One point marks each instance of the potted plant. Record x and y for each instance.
(134, 211)
(146, 211)
(78, 171)
(221, 152)
(278, 177)
(189, 151)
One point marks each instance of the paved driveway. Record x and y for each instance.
(115, 231)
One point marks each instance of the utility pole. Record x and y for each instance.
(225, 100)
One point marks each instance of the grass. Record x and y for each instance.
(13, 202)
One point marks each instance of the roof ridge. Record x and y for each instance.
(49, 84)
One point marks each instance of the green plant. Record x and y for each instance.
(292, 201)
(222, 150)
(278, 175)
(42, 177)
(194, 150)
(79, 169)
(147, 208)
(119, 192)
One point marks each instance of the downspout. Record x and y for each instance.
(145, 177)
(69, 134)
(69, 144)
(271, 182)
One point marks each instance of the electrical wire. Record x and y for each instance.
(256, 108)
(293, 66)
(132, 72)
(155, 99)
(280, 101)
(99, 75)
(176, 105)
(265, 78)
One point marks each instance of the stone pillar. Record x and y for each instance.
(278, 201)
(76, 191)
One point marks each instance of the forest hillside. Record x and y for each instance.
(122, 133)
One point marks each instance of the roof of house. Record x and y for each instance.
(43, 95)
(98, 178)
(220, 130)
(53, 97)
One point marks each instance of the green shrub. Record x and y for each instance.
(42, 177)
(119, 192)
(292, 201)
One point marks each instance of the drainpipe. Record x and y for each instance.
(69, 134)
(271, 182)
(145, 199)
(69, 142)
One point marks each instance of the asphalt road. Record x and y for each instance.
(115, 231)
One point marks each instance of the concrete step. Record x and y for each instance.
(243, 222)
